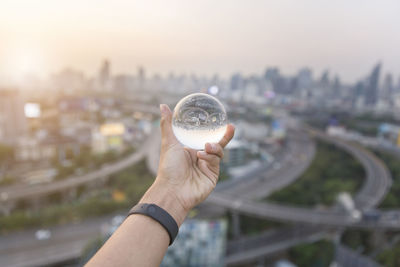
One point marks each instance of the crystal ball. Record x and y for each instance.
(199, 119)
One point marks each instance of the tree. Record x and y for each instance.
(6, 156)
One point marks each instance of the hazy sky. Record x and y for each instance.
(204, 37)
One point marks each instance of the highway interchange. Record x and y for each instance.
(21, 249)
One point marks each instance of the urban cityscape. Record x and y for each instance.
(311, 177)
(312, 167)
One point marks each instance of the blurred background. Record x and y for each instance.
(312, 177)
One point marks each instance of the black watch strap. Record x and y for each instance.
(160, 215)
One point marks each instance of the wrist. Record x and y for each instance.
(162, 197)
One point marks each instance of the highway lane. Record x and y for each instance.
(26, 191)
(22, 249)
(377, 183)
(378, 178)
(261, 182)
(246, 206)
(345, 256)
(296, 159)
(67, 241)
(249, 248)
(13, 193)
(296, 156)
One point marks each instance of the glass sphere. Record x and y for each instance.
(199, 119)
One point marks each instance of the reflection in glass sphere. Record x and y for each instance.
(199, 119)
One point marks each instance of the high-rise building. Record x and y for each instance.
(236, 82)
(105, 71)
(371, 90)
(336, 86)
(141, 74)
(104, 76)
(12, 119)
(273, 75)
(387, 88)
(398, 86)
(324, 80)
(304, 79)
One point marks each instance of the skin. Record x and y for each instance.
(185, 178)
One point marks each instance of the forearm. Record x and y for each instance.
(140, 240)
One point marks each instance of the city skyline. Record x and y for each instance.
(202, 38)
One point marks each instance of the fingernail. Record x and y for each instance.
(213, 147)
(208, 146)
(163, 108)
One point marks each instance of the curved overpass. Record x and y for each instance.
(378, 181)
(23, 192)
(378, 178)
(246, 206)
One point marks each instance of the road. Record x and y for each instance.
(25, 191)
(13, 193)
(245, 205)
(66, 242)
(289, 166)
(378, 181)
(248, 249)
(22, 249)
(348, 257)
(378, 178)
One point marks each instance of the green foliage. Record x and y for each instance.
(88, 161)
(223, 174)
(392, 198)
(358, 240)
(332, 171)
(133, 182)
(318, 254)
(7, 180)
(6, 153)
(250, 225)
(390, 257)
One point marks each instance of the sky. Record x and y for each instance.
(347, 37)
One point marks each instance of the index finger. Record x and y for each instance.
(230, 131)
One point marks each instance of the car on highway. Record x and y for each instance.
(276, 166)
(371, 216)
(43, 234)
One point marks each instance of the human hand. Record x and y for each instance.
(185, 176)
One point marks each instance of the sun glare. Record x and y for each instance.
(23, 61)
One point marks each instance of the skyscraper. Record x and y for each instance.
(12, 118)
(236, 82)
(105, 71)
(273, 76)
(371, 90)
(104, 76)
(387, 88)
(304, 78)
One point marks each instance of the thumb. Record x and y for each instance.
(167, 135)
